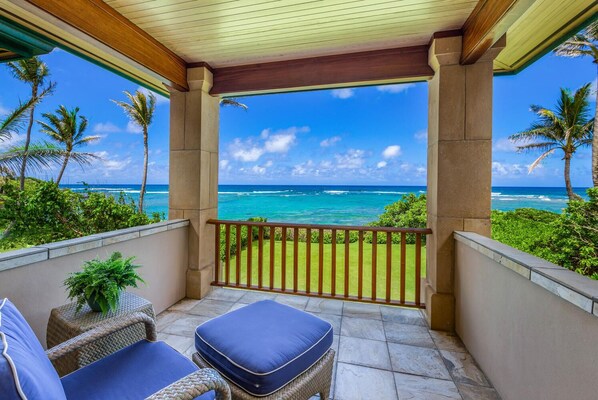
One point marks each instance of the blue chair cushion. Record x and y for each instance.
(25, 370)
(135, 372)
(263, 346)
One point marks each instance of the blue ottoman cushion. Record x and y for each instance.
(135, 372)
(263, 346)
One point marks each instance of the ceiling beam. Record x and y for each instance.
(101, 22)
(399, 64)
(487, 23)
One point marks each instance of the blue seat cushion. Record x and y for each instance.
(263, 346)
(135, 372)
(25, 370)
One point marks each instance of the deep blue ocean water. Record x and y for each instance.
(351, 205)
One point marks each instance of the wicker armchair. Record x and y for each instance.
(146, 369)
(188, 387)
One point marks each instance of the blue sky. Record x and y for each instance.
(369, 135)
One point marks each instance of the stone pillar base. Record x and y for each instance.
(440, 310)
(199, 282)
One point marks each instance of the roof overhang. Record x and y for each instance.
(264, 47)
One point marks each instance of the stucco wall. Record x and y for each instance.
(533, 334)
(36, 287)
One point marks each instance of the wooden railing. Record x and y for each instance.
(360, 263)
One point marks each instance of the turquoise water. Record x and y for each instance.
(350, 205)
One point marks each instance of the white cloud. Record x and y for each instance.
(330, 141)
(225, 165)
(421, 136)
(396, 88)
(106, 127)
(159, 98)
(279, 143)
(132, 127)
(594, 86)
(342, 93)
(256, 169)
(392, 151)
(13, 140)
(248, 155)
(352, 159)
(504, 145)
(381, 164)
(110, 163)
(507, 169)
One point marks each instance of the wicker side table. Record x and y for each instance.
(65, 323)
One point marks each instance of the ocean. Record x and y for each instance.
(346, 205)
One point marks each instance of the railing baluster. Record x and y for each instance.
(360, 267)
(347, 244)
(283, 264)
(271, 257)
(295, 259)
(249, 255)
(321, 262)
(224, 253)
(374, 262)
(308, 261)
(418, 265)
(217, 253)
(388, 265)
(333, 266)
(260, 256)
(403, 273)
(227, 254)
(238, 257)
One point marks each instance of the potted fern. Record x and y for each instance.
(101, 282)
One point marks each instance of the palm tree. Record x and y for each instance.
(34, 72)
(66, 128)
(585, 43)
(40, 155)
(231, 101)
(140, 110)
(567, 128)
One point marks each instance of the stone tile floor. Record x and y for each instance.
(382, 352)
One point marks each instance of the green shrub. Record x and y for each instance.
(408, 212)
(575, 239)
(45, 213)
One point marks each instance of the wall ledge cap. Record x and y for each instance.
(42, 252)
(577, 289)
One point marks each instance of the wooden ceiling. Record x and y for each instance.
(224, 33)
(270, 45)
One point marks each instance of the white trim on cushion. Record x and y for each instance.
(8, 359)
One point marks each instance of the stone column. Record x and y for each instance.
(193, 175)
(459, 166)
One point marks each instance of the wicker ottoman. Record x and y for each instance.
(268, 350)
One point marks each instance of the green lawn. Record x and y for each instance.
(340, 268)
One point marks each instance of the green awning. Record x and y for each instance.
(17, 42)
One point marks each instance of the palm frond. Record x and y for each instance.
(14, 121)
(83, 158)
(539, 160)
(233, 102)
(40, 156)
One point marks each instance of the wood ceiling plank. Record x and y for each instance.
(409, 62)
(303, 14)
(356, 23)
(100, 21)
(488, 22)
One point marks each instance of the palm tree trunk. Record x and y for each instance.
(27, 141)
(66, 161)
(570, 193)
(595, 146)
(145, 157)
